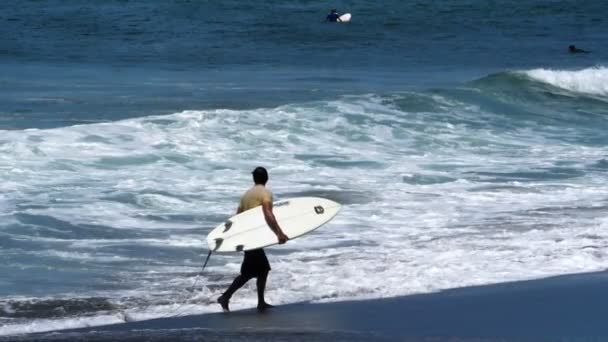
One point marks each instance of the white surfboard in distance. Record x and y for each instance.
(248, 230)
(345, 17)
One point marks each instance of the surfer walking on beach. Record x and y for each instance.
(255, 264)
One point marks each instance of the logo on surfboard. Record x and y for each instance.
(281, 204)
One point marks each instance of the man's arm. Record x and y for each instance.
(272, 222)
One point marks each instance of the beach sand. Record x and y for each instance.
(562, 308)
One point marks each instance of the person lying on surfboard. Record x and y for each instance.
(255, 264)
(333, 16)
(574, 49)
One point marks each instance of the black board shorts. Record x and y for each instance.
(255, 264)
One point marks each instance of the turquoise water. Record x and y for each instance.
(466, 146)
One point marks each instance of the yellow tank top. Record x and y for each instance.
(254, 197)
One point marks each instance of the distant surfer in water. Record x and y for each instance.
(255, 264)
(574, 49)
(333, 16)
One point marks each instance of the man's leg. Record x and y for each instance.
(236, 284)
(261, 286)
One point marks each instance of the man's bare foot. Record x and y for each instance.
(224, 303)
(263, 306)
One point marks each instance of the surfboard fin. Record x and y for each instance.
(227, 226)
(218, 243)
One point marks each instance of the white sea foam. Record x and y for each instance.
(83, 257)
(592, 81)
(516, 204)
(42, 325)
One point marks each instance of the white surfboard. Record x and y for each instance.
(248, 230)
(345, 17)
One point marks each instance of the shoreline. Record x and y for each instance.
(571, 307)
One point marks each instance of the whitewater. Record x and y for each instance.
(444, 188)
(590, 81)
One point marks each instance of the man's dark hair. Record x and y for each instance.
(260, 175)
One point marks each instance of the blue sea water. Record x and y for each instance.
(465, 143)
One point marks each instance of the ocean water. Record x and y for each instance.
(466, 146)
